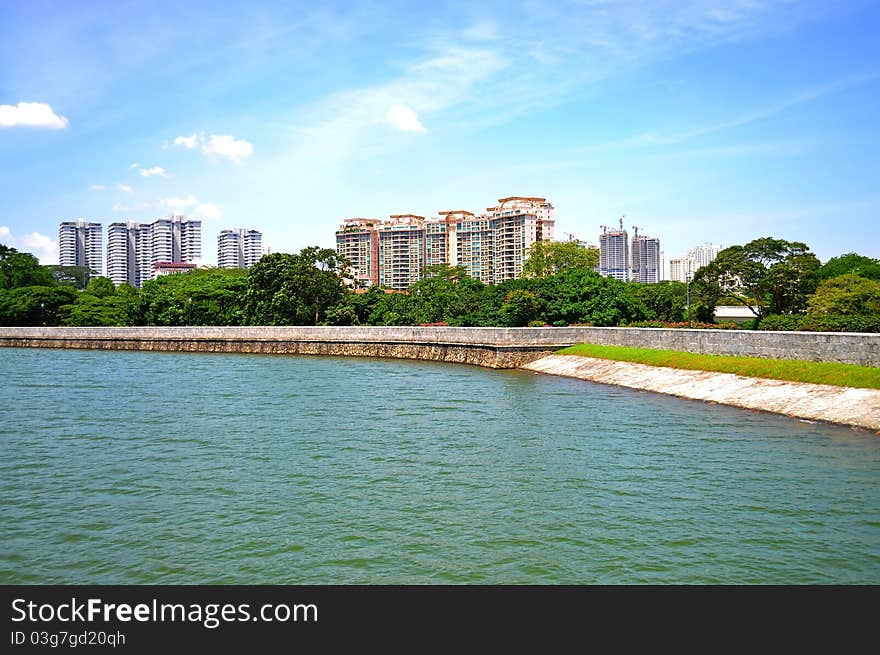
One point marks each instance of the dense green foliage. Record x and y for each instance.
(21, 269)
(285, 289)
(844, 375)
(773, 275)
(847, 303)
(549, 257)
(560, 288)
(850, 263)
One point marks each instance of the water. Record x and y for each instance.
(128, 467)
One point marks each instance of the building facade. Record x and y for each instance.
(683, 267)
(133, 249)
(645, 260)
(80, 243)
(401, 251)
(614, 254)
(490, 247)
(239, 248)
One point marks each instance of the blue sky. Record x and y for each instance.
(700, 120)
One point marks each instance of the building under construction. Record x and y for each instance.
(636, 261)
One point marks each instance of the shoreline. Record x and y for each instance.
(814, 402)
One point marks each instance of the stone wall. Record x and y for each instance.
(492, 347)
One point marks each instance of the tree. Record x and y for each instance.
(204, 296)
(846, 303)
(287, 289)
(850, 263)
(520, 308)
(74, 276)
(100, 287)
(663, 301)
(35, 305)
(21, 269)
(771, 276)
(579, 295)
(549, 257)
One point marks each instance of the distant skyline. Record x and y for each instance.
(700, 120)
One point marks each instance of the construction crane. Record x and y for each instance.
(604, 228)
(636, 231)
(622, 216)
(569, 235)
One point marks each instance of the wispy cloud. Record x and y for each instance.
(153, 171)
(125, 188)
(97, 187)
(45, 248)
(220, 145)
(191, 205)
(651, 139)
(31, 114)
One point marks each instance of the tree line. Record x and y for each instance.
(785, 285)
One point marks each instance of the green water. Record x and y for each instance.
(127, 467)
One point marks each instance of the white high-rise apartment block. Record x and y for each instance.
(239, 248)
(680, 269)
(683, 267)
(134, 249)
(703, 254)
(80, 243)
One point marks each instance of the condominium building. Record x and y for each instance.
(614, 253)
(703, 254)
(358, 241)
(516, 224)
(681, 268)
(490, 247)
(645, 259)
(134, 248)
(697, 257)
(80, 243)
(240, 248)
(401, 251)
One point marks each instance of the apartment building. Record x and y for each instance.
(133, 249)
(239, 248)
(80, 243)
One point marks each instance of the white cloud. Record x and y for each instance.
(153, 170)
(192, 206)
(134, 165)
(222, 145)
(405, 119)
(207, 210)
(125, 188)
(188, 142)
(179, 203)
(31, 114)
(44, 248)
(97, 187)
(226, 145)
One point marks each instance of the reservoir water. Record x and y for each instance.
(140, 467)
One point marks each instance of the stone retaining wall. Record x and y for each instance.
(492, 347)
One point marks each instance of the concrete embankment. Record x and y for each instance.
(487, 347)
(493, 347)
(816, 402)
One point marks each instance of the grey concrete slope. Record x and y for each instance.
(816, 402)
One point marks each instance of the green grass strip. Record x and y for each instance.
(842, 375)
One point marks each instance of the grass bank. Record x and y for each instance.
(843, 375)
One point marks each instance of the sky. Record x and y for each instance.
(698, 120)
